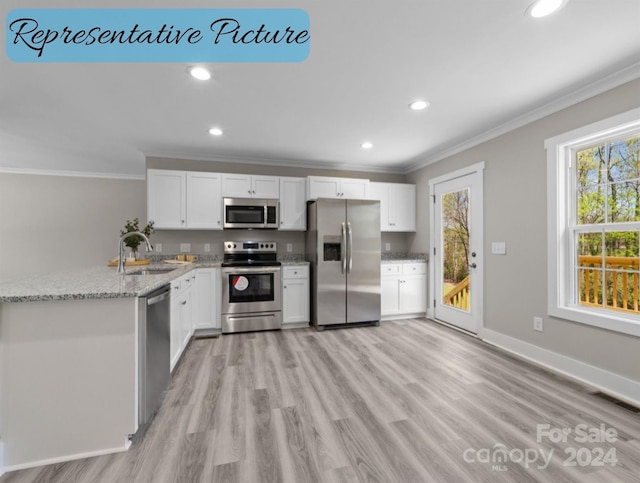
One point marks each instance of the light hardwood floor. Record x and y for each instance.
(410, 401)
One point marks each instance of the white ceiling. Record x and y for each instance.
(480, 63)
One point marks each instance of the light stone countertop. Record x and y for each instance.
(402, 257)
(99, 282)
(293, 263)
(405, 260)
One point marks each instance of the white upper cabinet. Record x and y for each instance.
(204, 203)
(397, 205)
(293, 204)
(184, 199)
(167, 198)
(347, 188)
(380, 192)
(250, 186)
(402, 207)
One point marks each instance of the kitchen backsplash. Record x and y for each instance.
(171, 241)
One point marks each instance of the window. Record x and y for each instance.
(594, 224)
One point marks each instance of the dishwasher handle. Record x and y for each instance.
(159, 298)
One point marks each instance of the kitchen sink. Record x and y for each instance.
(150, 271)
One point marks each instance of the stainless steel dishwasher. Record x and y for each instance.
(154, 351)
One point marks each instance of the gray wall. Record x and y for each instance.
(50, 223)
(515, 211)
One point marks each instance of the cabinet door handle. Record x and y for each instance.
(285, 286)
(184, 302)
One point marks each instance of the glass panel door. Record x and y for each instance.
(456, 283)
(456, 266)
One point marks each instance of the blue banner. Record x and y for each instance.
(157, 35)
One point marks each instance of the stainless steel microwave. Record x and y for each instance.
(250, 213)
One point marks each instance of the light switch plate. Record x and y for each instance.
(499, 248)
(207, 247)
(289, 247)
(185, 247)
(158, 247)
(387, 247)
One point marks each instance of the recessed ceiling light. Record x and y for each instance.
(419, 105)
(215, 131)
(199, 73)
(366, 145)
(542, 8)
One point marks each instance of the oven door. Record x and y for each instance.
(250, 290)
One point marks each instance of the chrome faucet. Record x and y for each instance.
(121, 247)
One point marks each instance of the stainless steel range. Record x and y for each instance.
(251, 288)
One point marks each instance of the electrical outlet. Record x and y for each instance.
(387, 247)
(538, 324)
(158, 247)
(185, 247)
(289, 247)
(499, 248)
(207, 247)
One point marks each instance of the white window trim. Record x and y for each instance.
(558, 215)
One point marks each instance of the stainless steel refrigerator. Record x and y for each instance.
(343, 247)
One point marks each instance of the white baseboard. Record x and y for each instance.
(618, 386)
(64, 459)
(402, 316)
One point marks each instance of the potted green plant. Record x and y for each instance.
(134, 241)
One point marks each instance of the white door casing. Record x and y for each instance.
(470, 182)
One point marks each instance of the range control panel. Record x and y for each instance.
(250, 247)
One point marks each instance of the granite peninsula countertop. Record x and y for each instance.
(99, 282)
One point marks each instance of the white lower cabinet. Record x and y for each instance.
(181, 315)
(206, 300)
(295, 296)
(403, 289)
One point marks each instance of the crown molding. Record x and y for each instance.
(72, 174)
(611, 81)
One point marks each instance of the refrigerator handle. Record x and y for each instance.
(343, 248)
(349, 247)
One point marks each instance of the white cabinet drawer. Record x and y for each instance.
(390, 269)
(295, 272)
(414, 268)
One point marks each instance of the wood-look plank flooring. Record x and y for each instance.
(409, 401)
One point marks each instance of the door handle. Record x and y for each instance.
(343, 248)
(349, 247)
(473, 265)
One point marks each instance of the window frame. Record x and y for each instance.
(560, 219)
